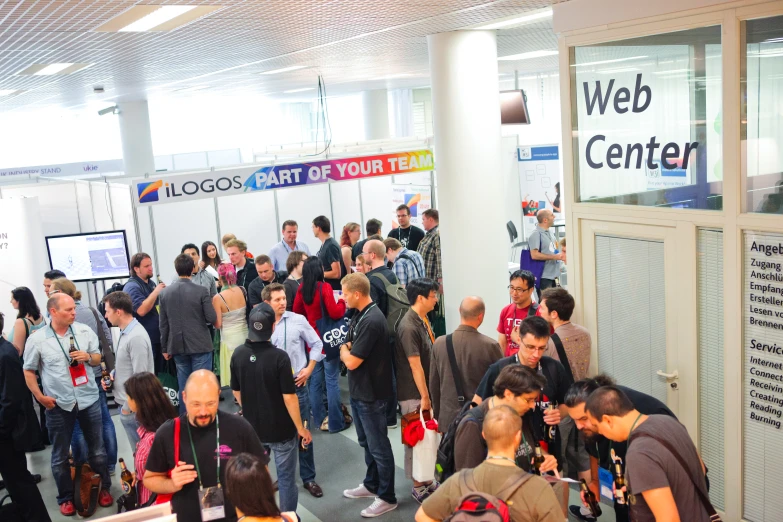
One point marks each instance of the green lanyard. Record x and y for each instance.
(195, 458)
(70, 329)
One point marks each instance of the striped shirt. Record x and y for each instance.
(408, 269)
(140, 462)
(429, 248)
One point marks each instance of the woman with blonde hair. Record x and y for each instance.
(230, 306)
(351, 234)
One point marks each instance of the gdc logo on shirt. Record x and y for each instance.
(336, 336)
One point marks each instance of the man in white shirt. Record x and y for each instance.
(279, 253)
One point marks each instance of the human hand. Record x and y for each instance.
(160, 286)
(80, 356)
(202, 265)
(302, 376)
(183, 474)
(560, 256)
(48, 402)
(552, 416)
(549, 464)
(307, 437)
(167, 356)
(515, 336)
(426, 404)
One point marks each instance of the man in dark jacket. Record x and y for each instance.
(266, 276)
(16, 409)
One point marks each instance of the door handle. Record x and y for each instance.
(669, 376)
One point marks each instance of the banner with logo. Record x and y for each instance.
(66, 169)
(229, 182)
(417, 197)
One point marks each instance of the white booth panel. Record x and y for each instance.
(122, 211)
(414, 178)
(377, 202)
(176, 224)
(101, 207)
(191, 161)
(164, 163)
(57, 203)
(145, 233)
(84, 206)
(345, 205)
(250, 217)
(303, 204)
(224, 158)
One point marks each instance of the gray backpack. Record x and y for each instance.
(477, 506)
(397, 303)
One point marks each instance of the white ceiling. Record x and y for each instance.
(355, 44)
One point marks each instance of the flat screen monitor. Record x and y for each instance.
(90, 257)
(513, 108)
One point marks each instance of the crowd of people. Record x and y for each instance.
(278, 330)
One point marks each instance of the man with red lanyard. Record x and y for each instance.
(61, 353)
(520, 289)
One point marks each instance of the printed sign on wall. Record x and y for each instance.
(417, 197)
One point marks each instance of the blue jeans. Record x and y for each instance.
(187, 364)
(370, 421)
(60, 424)
(79, 445)
(285, 464)
(391, 404)
(306, 458)
(328, 371)
(130, 426)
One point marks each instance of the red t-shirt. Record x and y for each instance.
(511, 317)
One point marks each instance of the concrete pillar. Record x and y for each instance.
(466, 119)
(376, 114)
(136, 138)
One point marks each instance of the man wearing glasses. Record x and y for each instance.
(521, 291)
(409, 235)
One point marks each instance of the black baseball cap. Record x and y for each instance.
(262, 319)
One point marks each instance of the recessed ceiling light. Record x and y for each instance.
(285, 69)
(142, 18)
(49, 69)
(528, 56)
(159, 16)
(608, 61)
(53, 68)
(546, 13)
(299, 90)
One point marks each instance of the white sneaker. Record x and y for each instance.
(358, 492)
(378, 508)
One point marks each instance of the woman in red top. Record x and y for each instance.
(311, 295)
(152, 407)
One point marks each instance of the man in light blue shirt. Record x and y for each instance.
(70, 392)
(293, 334)
(279, 253)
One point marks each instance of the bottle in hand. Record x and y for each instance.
(538, 459)
(126, 477)
(592, 502)
(619, 483)
(302, 445)
(552, 431)
(105, 377)
(71, 349)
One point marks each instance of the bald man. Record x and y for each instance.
(212, 433)
(474, 353)
(374, 252)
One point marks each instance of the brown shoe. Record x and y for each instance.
(314, 489)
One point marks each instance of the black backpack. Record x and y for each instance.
(444, 463)
(116, 287)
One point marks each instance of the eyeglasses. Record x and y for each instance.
(517, 290)
(541, 349)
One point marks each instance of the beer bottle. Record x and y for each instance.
(105, 377)
(126, 477)
(302, 445)
(595, 508)
(71, 349)
(552, 432)
(619, 483)
(538, 459)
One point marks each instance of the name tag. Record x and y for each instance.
(606, 479)
(212, 503)
(78, 375)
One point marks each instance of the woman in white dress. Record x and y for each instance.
(229, 306)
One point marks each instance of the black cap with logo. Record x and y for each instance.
(262, 319)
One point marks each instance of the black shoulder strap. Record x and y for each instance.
(714, 517)
(532, 310)
(562, 355)
(455, 373)
(26, 328)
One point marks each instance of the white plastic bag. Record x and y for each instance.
(425, 453)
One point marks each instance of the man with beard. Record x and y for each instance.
(600, 448)
(204, 434)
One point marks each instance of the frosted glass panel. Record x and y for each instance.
(631, 312)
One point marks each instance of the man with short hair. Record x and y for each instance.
(185, 310)
(408, 264)
(133, 355)
(280, 252)
(429, 247)
(532, 501)
(474, 353)
(16, 419)
(266, 276)
(71, 393)
(144, 294)
(374, 252)
(366, 355)
(542, 248)
(199, 276)
(294, 335)
(216, 436)
(330, 254)
(263, 385)
(228, 237)
(520, 288)
(246, 270)
(407, 234)
(661, 485)
(412, 364)
(50, 276)
(373, 231)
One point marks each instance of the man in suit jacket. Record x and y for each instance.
(474, 352)
(185, 310)
(16, 412)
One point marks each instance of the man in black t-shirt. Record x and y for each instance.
(373, 231)
(409, 235)
(367, 356)
(263, 384)
(216, 437)
(330, 254)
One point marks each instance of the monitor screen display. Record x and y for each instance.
(90, 257)
(513, 108)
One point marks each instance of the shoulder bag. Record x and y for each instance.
(331, 331)
(163, 498)
(562, 355)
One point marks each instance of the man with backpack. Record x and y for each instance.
(496, 487)
(407, 264)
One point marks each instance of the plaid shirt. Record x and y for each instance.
(429, 248)
(409, 269)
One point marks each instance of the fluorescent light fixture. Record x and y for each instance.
(50, 69)
(617, 70)
(53, 68)
(608, 61)
(158, 17)
(528, 56)
(546, 13)
(299, 90)
(285, 69)
(673, 71)
(140, 18)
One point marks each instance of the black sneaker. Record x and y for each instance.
(577, 512)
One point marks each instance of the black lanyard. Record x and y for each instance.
(195, 458)
(70, 329)
(355, 325)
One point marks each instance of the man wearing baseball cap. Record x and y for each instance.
(263, 384)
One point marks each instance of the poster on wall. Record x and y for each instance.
(417, 197)
(539, 181)
(763, 374)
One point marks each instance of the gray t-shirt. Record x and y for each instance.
(649, 465)
(542, 241)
